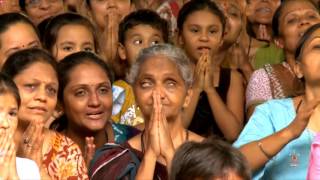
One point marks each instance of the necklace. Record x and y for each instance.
(142, 140)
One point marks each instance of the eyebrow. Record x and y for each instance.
(285, 15)
(17, 47)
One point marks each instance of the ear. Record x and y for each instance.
(279, 42)
(122, 52)
(187, 99)
(298, 70)
(180, 39)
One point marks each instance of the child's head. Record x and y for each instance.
(201, 25)
(9, 103)
(211, 159)
(69, 33)
(139, 30)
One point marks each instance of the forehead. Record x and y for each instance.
(203, 17)
(158, 65)
(143, 30)
(87, 70)
(296, 6)
(39, 70)
(9, 99)
(76, 31)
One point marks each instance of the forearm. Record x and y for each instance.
(269, 146)
(147, 166)
(227, 122)
(190, 110)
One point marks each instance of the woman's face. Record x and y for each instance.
(8, 113)
(72, 39)
(39, 10)
(87, 99)
(261, 11)
(8, 6)
(100, 9)
(38, 87)
(233, 16)
(202, 32)
(17, 37)
(167, 81)
(309, 66)
(295, 19)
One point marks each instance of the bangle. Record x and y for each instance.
(263, 151)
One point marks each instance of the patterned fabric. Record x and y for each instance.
(272, 82)
(169, 10)
(123, 132)
(63, 159)
(125, 111)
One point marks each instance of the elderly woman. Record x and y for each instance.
(161, 79)
(278, 136)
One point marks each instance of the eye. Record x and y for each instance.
(30, 87)
(80, 93)
(171, 83)
(154, 42)
(67, 48)
(213, 31)
(194, 30)
(89, 49)
(13, 113)
(137, 41)
(316, 46)
(292, 20)
(146, 84)
(52, 91)
(104, 90)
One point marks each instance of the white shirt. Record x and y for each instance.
(27, 169)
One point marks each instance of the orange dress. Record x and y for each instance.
(62, 158)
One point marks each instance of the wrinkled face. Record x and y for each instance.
(295, 19)
(167, 81)
(39, 10)
(100, 9)
(261, 11)
(8, 114)
(202, 32)
(233, 16)
(309, 66)
(38, 87)
(87, 98)
(17, 37)
(138, 38)
(72, 39)
(8, 6)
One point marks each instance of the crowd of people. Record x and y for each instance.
(159, 89)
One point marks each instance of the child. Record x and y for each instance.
(12, 167)
(212, 159)
(139, 30)
(69, 33)
(219, 92)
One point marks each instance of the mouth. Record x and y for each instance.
(38, 109)
(95, 115)
(204, 49)
(263, 10)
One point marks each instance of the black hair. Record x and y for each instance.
(197, 5)
(65, 67)
(143, 17)
(209, 159)
(57, 22)
(8, 86)
(8, 19)
(278, 13)
(21, 60)
(303, 40)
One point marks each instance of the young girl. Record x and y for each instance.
(218, 92)
(12, 167)
(69, 33)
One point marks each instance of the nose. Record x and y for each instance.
(41, 94)
(94, 100)
(4, 122)
(204, 36)
(111, 3)
(44, 4)
(304, 21)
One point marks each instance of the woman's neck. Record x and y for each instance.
(100, 137)
(290, 60)
(312, 92)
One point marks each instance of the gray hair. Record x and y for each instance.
(174, 54)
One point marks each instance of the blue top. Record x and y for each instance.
(292, 161)
(123, 132)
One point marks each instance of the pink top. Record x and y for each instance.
(314, 163)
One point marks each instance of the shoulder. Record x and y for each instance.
(27, 169)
